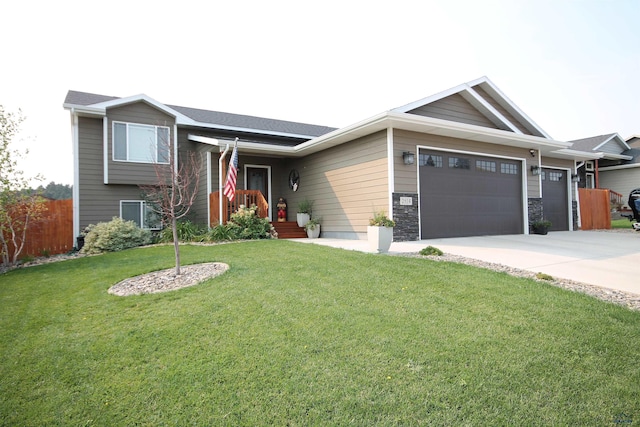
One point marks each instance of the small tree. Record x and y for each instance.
(19, 206)
(175, 191)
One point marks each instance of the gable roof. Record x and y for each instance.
(93, 104)
(483, 95)
(610, 146)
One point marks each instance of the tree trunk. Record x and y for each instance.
(176, 244)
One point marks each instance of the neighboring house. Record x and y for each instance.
(616, 166)
(464, 162)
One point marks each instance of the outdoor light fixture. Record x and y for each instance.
(408, 157)
(535, 170)
(532, 152)
(575, 177)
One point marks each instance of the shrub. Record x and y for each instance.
(431, 250)
(543, 276)
(113, 236)
(187, 232)
(380, 219)
(245, 224)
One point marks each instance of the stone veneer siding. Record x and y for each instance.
(574, 211)
(406, 217)
(535, 210)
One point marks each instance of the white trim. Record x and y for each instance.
(523, 179)
(105, 149)
(589, 166)
(593, 180)
(175, 149)
(618, 167)
(476, 99)
(614, 136)
(391, 171)
(76, 175)
(269, 183)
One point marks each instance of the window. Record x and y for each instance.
(509, 168)
(139, 212)
(430, 160)
(590, 181)
(140, 143)
(458, 163)
(555, 176)
(485, 165)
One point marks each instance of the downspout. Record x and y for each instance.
(220, 184)
(76, 176)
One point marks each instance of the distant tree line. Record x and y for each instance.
(55, 191)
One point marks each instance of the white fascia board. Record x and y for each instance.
(619, 167)
(510, 105)
(85, 110)
(251, 147)
(616, 156)
(481, 104)
(567, 153)
(429, 99)
(612, 137)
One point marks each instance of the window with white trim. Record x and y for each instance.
(141, 213)
(139, 143)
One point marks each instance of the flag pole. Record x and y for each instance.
(234, 153)
(220, 183)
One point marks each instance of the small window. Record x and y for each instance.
(589, 166)
(555, 176)
(485, 165)
(140, 143)
(590, 181)
(430, 160)
(509, 168)
(139, 212)
(459, 163)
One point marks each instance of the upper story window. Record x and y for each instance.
(134, 142)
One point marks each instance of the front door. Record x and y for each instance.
(258, 179)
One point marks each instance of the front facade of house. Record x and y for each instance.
(480, 165)
(615, 166)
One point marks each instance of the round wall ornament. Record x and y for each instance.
(294, 180)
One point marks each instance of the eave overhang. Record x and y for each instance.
(413, 123)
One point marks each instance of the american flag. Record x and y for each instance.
(232, 175)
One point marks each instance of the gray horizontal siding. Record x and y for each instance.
(132, 172)
(502, 110)
(456, 109)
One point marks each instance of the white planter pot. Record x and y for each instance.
(380, 238)
(315, 233)
(302, 219)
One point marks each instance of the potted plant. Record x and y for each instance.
(313, 228)
(541, 227)
(304, 212)
(380, 232)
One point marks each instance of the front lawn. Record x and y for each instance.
(299, 334)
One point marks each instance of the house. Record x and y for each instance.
(466, 161)
(616, 167)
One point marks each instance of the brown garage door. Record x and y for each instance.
(555, 204)
(467, 195)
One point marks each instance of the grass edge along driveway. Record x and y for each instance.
(308, 335)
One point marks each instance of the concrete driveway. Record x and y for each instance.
(607, 259)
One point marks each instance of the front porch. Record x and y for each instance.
(286, 229)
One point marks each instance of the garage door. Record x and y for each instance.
(555, 201)
(468, 195)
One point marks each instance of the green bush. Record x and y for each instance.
(113, 236)
(246, 224)
(187, 232)
(431, 250)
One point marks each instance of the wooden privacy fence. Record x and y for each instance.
(243, 197)
(53, 234)
(595, 211)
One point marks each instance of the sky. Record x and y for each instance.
(572, 66)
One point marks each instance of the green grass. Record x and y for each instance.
(297, 334)
(621, 223)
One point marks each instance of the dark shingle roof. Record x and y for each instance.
(588, 144)
(216, 117)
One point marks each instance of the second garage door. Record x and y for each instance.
(469, 195)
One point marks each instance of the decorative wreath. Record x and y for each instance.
(294, 180)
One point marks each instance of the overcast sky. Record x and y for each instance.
(572, 66)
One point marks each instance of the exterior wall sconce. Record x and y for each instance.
(408, 158)
(532, 152)
(535, 170)
(575, 177)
